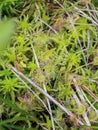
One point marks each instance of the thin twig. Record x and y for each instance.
(84, 115)
(37, 62)
(45, 94)
(26, 85)
(48, 26)
(92, 14)
(72, 23)
(78, 90)
(91, 104)
(94, 9)
(94, 80)
(86, 16)
(83, 13)
(90, 10)
(39, 18)
(90, 92)
(44, 86)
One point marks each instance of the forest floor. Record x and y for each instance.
(49, 65)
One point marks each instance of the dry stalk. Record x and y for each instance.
(63, 108)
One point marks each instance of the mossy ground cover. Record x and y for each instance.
(54, 44)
